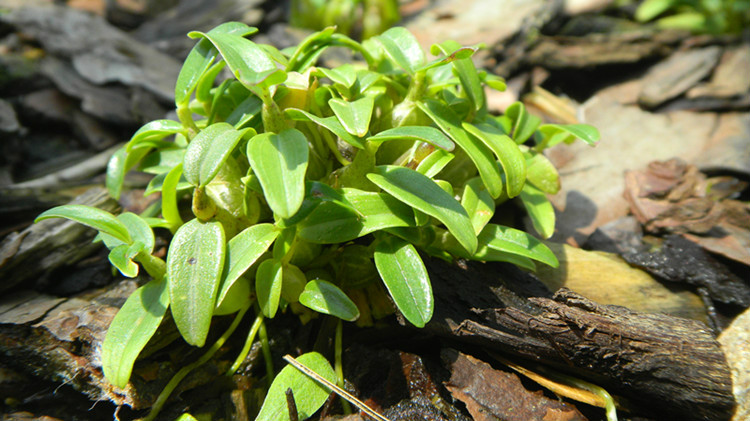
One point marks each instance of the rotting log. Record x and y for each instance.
(670, 365)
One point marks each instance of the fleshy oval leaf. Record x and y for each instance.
(325, 297)
(355, 116)
(427, 134)
(280, 162)
(194, 264)
(406, 278)
(421, 193)
(208, 151)
(131, 329)
(268, 285)
(308, 394)
(95, 218)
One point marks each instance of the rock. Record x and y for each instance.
(607, 279)
(730, 78)
(8, 120)
(675, 75)
(735, 342)
(100, 53)
(475, 21)
(592, 178)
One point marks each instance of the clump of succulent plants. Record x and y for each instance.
(292, 187)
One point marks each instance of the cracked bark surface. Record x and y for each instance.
(670, 364)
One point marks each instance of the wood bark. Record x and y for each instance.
(670, 364)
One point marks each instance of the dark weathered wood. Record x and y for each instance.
(670, 365)
(50, 244)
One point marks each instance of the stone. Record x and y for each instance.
(735, 342)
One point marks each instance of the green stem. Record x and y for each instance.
(248, 344)
(265, 346)
(339, 366)
(273, 118)
(153, 265)
(184, 371)
(186, 118)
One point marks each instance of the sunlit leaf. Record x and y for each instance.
(280, 162)
(478, 204)
(523, 124)
(331, 123)
(354, 116)
(406, 278)
(96, 218)
(268, 282)
(402, 47)
(552, 134)
(331, 223)
(121, 257)
(427, 134)
(542, 173)
(131, 329)
(650, 9)
(421, 193)
(194, 264)
(480, 154)
(155, 130)
(540, 210)
(325, 297)
(308, 394)
(433, 163)
(208, 151)
(243, 250)
(510, 240)
(468, 75)
(506, 151)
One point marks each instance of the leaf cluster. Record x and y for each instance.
(302, 188)
(700, 16)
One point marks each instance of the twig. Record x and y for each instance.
(334, 388)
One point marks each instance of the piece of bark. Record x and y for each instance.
(666, 365)
(491, 394)
(49, 244)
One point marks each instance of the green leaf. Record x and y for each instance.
(131, 329)
(200, 58)
(427, 134)
(510, 240)
(206, 82)
(153, 131)
(459, 54)
(650, 9)
(233, 298)
(480, 154)
(354, 116)
(421, 193)
(169, 207)
(406, 278)
(194, 264)
(402, 47)
(523, 124)
(331, 123)
(268, 282)
(315, 193)
(433, 163)
(552, 134)
(345, 75)
(331, 223)
(243, 250)
(691, 21)
(280, 162)
(309, 396)
(541, 173)
(540, 210)
(208, 152)
(478, 204)
(96, 218)
(378, 210)
(245, 111)
(325, 297)
(121, 257)
(468, 75)
(506, 151)
(139, 230)
(249, 63)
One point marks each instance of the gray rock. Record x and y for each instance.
(675, 75)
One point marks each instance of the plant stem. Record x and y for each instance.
(248, 344)
(184, 371)
(153, 265)
(186, 118)
(265, 346)
(338, 364)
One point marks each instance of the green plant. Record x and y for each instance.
(364, 17)
(703, 16)
(307, 186)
